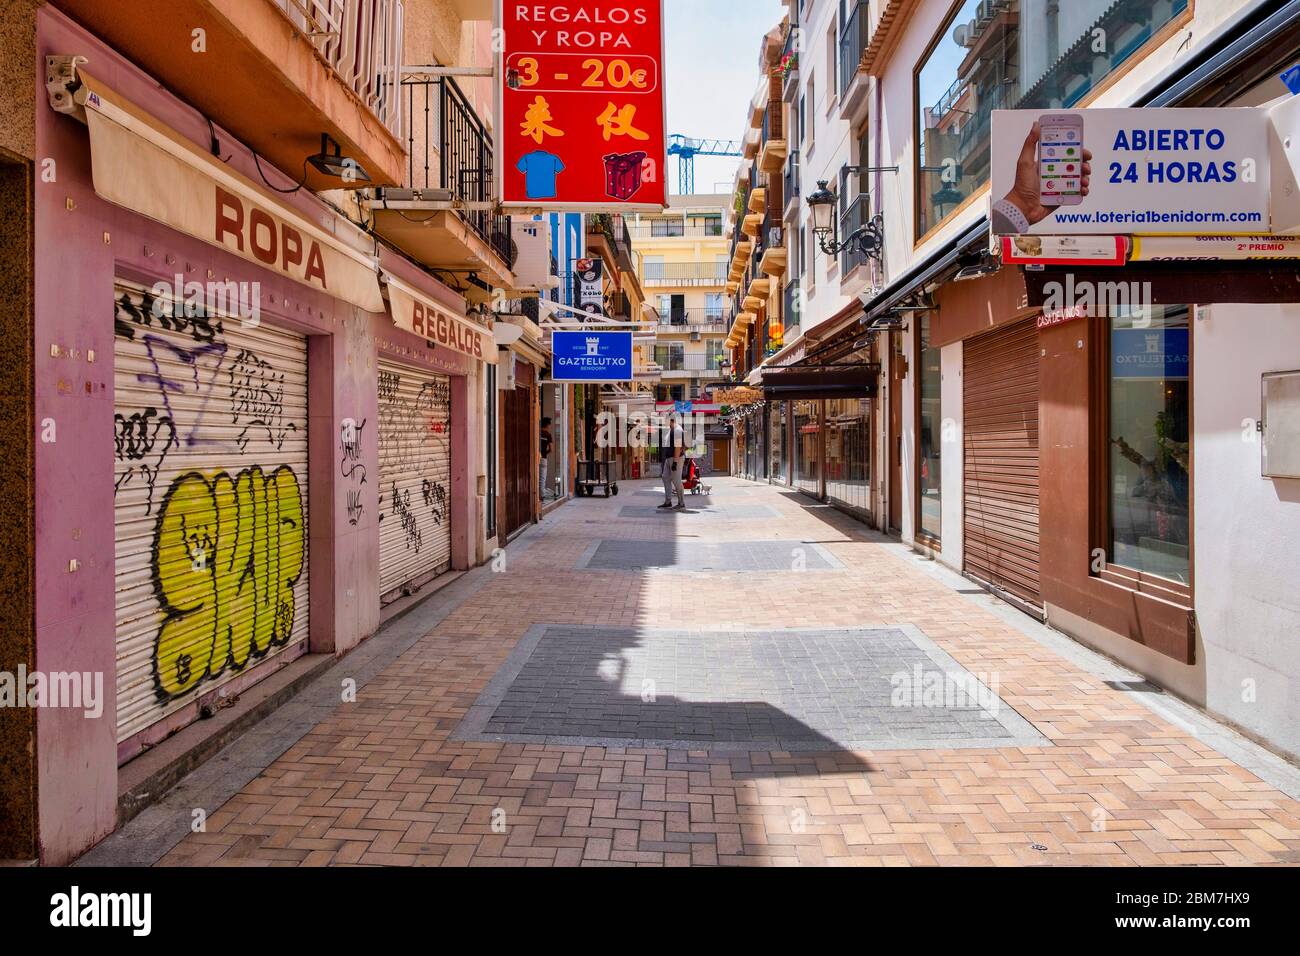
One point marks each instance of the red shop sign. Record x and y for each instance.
(580, 105)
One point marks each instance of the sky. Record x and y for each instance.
(712, 72)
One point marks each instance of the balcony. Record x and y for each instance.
(608, 236)
(683, 274)
(774, 149)
(790, 181)
(441, 215)
(674, 365)
(280, 72)
(854, 39)
(792, 309)
(789, 65)
(775, 257)
(683, 321)
(857, 215)
(674, 229)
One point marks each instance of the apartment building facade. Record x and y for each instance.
(1006, 443)
(682, 258)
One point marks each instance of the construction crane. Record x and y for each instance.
(686, 149)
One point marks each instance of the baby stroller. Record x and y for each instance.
(693, 481)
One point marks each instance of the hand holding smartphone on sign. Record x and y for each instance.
(1061, 160)
(1053, 170)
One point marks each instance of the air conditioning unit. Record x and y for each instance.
(532, 237)
(695, 335)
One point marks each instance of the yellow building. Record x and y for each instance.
(683, 257)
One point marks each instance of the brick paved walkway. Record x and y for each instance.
(1089, 775)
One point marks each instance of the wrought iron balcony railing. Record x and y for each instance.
(853, 42)
(449, 148)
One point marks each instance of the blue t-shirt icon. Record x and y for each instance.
(540, 169)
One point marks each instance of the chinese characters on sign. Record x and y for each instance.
(582, 105)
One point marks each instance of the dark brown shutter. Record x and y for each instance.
(519, 465)
(1001, 459)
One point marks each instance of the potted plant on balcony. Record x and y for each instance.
(789, 63)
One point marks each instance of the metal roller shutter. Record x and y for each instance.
(414, 477)
(210, 513)
(1001, 459)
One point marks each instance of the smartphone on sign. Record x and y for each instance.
(1060, 159)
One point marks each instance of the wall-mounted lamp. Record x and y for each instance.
(869, 238)
(331, 162)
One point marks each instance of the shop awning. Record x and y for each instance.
(435, 322)
(818, 382)
(1175, 283)
(140, 163)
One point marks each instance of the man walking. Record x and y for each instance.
(673, 449)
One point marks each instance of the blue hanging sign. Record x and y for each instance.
(592, 356)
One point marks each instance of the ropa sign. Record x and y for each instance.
(268, 239)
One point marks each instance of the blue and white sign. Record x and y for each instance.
(1131, 172)
(592, 356)
(1150, 353)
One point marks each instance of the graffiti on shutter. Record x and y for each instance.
(210, 505)
(415, 476)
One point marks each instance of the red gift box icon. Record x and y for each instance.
(623, 174)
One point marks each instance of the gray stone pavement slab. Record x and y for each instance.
(782, 689)
(695, 556)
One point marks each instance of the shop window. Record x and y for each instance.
(1030, 54)
(490, 449)
(848, 452)
(929, 385)
(1149, 474)
(807, 447)
(777, 442)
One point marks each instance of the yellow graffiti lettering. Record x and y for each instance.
(227, 554)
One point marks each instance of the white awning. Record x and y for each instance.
(143, 165)
(420, 315)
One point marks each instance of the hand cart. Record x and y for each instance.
(597, 475)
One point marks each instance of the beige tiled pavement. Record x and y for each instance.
(380, 782)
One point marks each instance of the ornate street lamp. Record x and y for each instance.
(868, 239)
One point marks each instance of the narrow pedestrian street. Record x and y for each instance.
(747, 682)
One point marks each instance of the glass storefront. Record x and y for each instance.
(929, 432)
(807, 444)
(848, 452)
(755, 460)
(1150, 442)
(1020, 54)
(779, 454)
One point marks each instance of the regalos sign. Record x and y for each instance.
(581, 105)
(435, 323)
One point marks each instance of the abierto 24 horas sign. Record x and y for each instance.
(1130, 172)
(580, 105)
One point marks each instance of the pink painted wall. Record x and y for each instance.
(74, 271)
